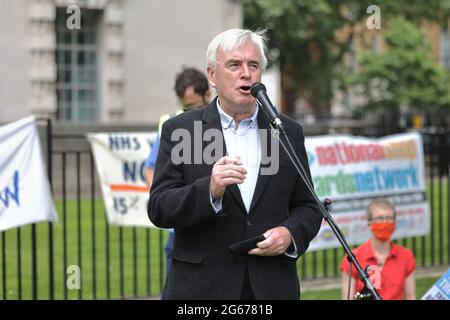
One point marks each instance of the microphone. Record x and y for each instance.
(258, 90)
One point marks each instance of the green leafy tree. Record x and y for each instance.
(404, 75)
(307, 46)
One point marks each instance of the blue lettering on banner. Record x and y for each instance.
(123, 205)
(444, 285)
(6, 194)
(123, 143)
(378, 179)
(131, 173)
(373, 180)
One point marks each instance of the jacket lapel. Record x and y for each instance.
(263, 124)
(211, 120)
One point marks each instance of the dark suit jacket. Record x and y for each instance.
(203, 267)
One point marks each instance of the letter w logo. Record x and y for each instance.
(7, 194)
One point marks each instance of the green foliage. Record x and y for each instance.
(405, 74)
(305, 44)
(302, 34)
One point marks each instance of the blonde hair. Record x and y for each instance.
(381, 203)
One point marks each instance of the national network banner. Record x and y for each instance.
(120, 160)
(25, 195)
(352, 171)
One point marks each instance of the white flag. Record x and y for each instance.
(120, 158)
(25, 195)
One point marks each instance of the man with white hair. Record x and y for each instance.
(215, 205)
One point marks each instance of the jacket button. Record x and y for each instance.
(248, 222)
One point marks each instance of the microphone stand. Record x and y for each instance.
(279, 133)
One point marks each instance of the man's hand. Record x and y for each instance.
(226, 171)
(277, 241)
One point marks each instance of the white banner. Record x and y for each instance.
(352, 171)
(25, 195)
(349, 170)
(120, 160)
(440, 290)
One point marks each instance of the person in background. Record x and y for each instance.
(192, 90)
(390, 266)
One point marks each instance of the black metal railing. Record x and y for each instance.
(115, 262)
(123, 262)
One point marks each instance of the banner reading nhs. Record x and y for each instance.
(120, 160)
(352, 171)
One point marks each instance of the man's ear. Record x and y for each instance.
(211, 75)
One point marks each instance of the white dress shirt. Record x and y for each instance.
(245, 143)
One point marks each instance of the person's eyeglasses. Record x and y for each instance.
(382, 219)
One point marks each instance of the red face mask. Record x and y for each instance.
(382, 230)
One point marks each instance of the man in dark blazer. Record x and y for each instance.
(214, 205)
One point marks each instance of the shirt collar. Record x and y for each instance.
(227, 121)
(392, 252)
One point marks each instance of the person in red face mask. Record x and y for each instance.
(390, 266)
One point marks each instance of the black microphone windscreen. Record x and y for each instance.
(256, 88)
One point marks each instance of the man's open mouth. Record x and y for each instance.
(245, 88)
